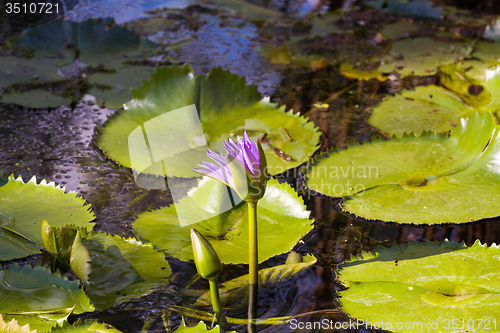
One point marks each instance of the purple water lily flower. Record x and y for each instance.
(244, 168)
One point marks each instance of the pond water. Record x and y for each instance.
(57, 144)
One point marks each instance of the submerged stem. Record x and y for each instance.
(253, 266)
(214, 294)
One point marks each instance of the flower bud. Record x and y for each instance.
(206, 259)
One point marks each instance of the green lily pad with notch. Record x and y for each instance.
(423, 55)
(28, 204)
(422, 180)
(282, 221)
(235, 291)
(108, 55)
(122, 269)
(39, 298)
(446, 287)
(228, 108)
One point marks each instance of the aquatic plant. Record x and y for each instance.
(71, 59)
(283, 221)
(434, 178)
(244, 168)
(209, 267)
(20, 227)
(32, 293)
(428, 287)
(225, 107)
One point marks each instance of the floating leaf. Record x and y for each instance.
(425, 108)
(282, 221)
(324, 25)
(422, 180)
(470, 86)
(89, 326)
(199, 328)
(13, 246)
(487, 51)
(236, 290)
(423, 55)
(248, 11)
(164, 108)
(28, 204)
(348, 70)
(399, 29)
(39, 298)
(291, 55)
(106, 57)
(123, 268)
(476, 82)
(13, 327)
(470, 90)
(434, 287)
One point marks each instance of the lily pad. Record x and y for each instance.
(427, 108)
(13, 327)
(324, 25)
(423, 180)
(122, 269)
(39, 298)
(423, 55)
(177, 136)
(282, 221)
(476, 82)
(199, 328)
(431, 287)
(349, 71)
(46, 201)
(106, 64)
(469, 86)
(399, 29)
(487, 51)
(13, 246)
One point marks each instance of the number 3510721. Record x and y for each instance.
(31, 8)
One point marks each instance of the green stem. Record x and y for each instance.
(253, 258)
(214, 294)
